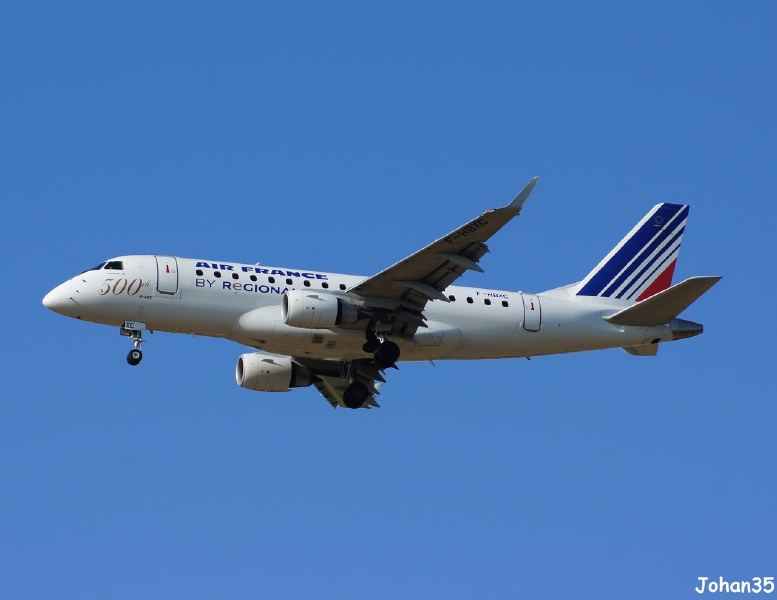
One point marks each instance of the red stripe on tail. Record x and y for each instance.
(660, 283)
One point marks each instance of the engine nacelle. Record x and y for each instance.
(265, 373)
(316, 310)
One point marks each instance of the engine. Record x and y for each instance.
(316, 310)
(265, 373)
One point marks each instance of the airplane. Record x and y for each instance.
(342, 333)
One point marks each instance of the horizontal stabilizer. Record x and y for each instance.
(661, 308)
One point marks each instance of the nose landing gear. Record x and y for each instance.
(135, 356)
(134, 330)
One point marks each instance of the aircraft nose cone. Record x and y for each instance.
(54, 300)
(49, 300)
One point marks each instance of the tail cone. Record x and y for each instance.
(682, 329)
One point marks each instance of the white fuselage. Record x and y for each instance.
(243, 303)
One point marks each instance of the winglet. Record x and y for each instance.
(517, 203)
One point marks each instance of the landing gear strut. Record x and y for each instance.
(134, 331)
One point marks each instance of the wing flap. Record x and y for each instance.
(333, 388)
(332, 378)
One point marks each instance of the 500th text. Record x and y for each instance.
(122, 285)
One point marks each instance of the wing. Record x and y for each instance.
(398, 295)
(404, 288)
(332, 377)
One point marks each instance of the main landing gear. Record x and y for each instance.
(385, 352)
(356, 395)
(386, 355)
(134, 330)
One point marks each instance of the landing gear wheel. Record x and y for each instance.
(372, 343)
(356, 395)
(134, 357)
(386, 355)
(370, 346)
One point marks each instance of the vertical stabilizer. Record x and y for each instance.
(643, 262)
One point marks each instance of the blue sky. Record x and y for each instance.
(343, 137)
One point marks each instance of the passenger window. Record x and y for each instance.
(114, 265)
(289, 282)
(469, 300)
(199, 272)
(505, 303)
(325, 285)
(452, 298)
(487, 302)
(253, 278)
(271, 279)
(342, 286)
(217, 274)
(307, 283)
(235, 276)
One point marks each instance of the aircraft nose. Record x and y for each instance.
(55, 299)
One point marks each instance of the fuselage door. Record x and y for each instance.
(532, 312)
(167, 275)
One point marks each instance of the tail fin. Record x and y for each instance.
(643, 262)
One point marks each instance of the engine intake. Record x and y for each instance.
(265, 373)
(316, 310)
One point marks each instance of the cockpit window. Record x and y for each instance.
(114, 265)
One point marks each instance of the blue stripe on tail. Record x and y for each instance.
(666, 253)
(647, 251)
(635, 245)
